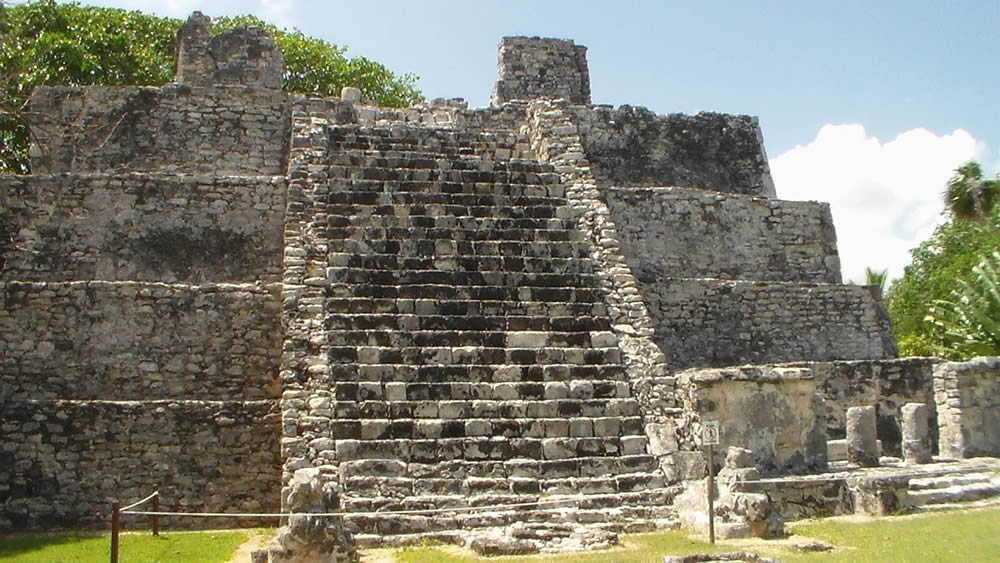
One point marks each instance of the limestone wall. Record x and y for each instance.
(177, 128)
(885, 384)
(683, 233)
(137, 341)
(968, 405)
(532, 67)
(716, 323)
(62, 462)
(141, 227)
(773, 412)
(632, 146)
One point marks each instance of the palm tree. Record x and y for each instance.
(968, 196)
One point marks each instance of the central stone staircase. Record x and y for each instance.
(470, 354)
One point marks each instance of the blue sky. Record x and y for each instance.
(866, 104)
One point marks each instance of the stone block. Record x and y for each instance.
(862, 445)
(916, 435)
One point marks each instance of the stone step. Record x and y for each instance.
(420, 494)
(617, 511)
(447, 249)
(478, 448)
(445, 239)
(990, 502)
(487, 204)
(484, 292)
(520, 468)
(460, 278)
(506, 264)
(411, 221)
(423, 138)
(468, 419)
(375, 205)
(428, 317)
(491, 187)
(467, 339)
(475, 373)
(559, 314)
(448, 385)
(361, 417)
(344, 162)
(444, 355)
(950, 480)
(479, 392)
(438, 171)
(957, 493)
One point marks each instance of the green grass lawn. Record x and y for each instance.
(950, 536)
(133, 547)
(964, 536)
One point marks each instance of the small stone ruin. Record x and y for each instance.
(505, 326)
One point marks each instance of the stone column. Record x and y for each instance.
(916, 433)
(862, 443)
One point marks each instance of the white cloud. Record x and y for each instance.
(885, 197)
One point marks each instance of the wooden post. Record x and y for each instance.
(156, 508)
(711, 496)
(116, 511)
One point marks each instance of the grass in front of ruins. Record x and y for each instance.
(972, 535)
(215, 546)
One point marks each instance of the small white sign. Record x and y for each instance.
(710, 433)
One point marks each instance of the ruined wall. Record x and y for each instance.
(632, 146)
(681, 233)
(532, 67)
(774, 412)
(208, 130)
(717, 323)
(968, 404)
(191, 229)
(885, 384)
(61, 462)
(135, 341)
(241, 56)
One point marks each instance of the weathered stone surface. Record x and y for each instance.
(532, 67)
(307, 538)
(632, 146)
(772, 413)
(862, 445)
(916, 435)
(887, 384)
(61, 461)
(151, 227)
(461, 320)
(138, 341)
(682, 233)
(968, 405)
(740, 322)
(173, 129)
(240, 56)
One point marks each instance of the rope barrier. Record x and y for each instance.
(137, 503)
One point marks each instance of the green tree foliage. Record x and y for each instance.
(54, 44)
(968, 195)
(315, 66)
(941, 264)
(970, 319)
